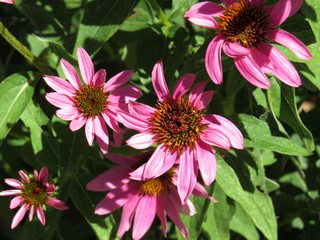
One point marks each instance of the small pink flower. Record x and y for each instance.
(181, 130)
(32, 193)
(7, 1)
(244, 31)
(93, 103)
(141, 201)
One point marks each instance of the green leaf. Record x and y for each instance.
(242, 224)
(257, 134)
(100, 21)
(311, 9)
(216, 224)
(282, 104)
(15, 93)
(256, 204)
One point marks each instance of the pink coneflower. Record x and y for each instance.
(244, 31)
(93, 103)
(181, 130)
(32, 193)
(141, 201)
(7, 1)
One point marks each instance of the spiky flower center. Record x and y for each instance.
(157, 186)
(177, 124)
(91, 100)
(244, 23)
(34, 193)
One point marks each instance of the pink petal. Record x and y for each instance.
(59, 100)
(284, 69)
(8, 1)
(227, 127)
(131, 122)
(71, 74)
(213, 59)
(200, 191)
(187, 208)
(124, 94)
(101, 132)
(252, 72)
(228, 2)
(174, 216)
(99, 78)
(160, 162)
(235, 50)
(162, 215)
(115, 199)
(56, 203)
(203, 100)
(68, 114)
(288, 40)
(15, 202)
(10, 192)
(117, 80)
(183, 85)
(40, 215)
(89, 130)
(141, 140)
(24, 176)
(206, 162)
(258, 3)
(60, 85)
(77, 123)
(14, 183)
(187, 176)
(86, 66)
(19, 215)
(43, 175)
(196, 91)
(159, 82)
(141, 110)
(31, 212)
(127, 214)
(144, 216)
(110, 179)
(216, 137)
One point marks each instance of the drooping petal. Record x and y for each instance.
(235, 50)
(159, 163)
(15, 202)
(19, 216)
(131, 122)
(60, 85)
(196, 91)
(144, 216)
(230, 130)
(40, 215)
(216, 137)
(206, 162)
(110, 179)
(56, 203)
(187, 208)
(31, 213)
(141, 140)
(187, 176)
(43, 175)
(89, 130)
(183, 85)
(117, 80)
(77, 123)
(159, 82)
(115, 199)
(99, 78)
(71, 74)
(14, 183)
(124, 94)
(59, 100)
(68, 114)
(213, 59)
(86, 66)
(252, 72)
(288, 40)
(8, 1)
(200, 191)
(162, 215)
(127, 214)
(203, 100)
(284, 69)
(101, 132)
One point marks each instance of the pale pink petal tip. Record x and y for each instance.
(19, 216)
(86, 66)
(14, 183)
(40, 215)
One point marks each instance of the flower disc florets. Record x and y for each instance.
(34, 193)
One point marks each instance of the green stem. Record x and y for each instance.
(22, 49)
(161, 14)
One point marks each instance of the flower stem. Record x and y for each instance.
(22, 49)
(161, 14)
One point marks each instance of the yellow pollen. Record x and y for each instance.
(243, 23)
